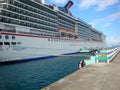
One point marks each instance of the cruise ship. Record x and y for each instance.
(33, 30)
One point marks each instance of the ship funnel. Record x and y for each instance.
(69, 4)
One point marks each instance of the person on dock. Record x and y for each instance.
(81, 64)
(93, 53)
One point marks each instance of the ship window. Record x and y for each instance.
(1, 43)
(19, 42)
(44, 34)
(6, 43)
(51, 39)
(48, 39)
(0, 36)
(57, 40)
(13, 43)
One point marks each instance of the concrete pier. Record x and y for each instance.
(98, 76)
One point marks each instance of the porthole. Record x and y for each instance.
(13, 37)
(6, 37)
(0, 36)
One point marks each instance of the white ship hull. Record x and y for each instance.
(31, 30)
(29, 47)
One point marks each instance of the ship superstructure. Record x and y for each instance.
(32, 29)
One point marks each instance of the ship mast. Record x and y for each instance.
(40, 1)
(43, 1)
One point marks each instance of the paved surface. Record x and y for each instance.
(100, 76)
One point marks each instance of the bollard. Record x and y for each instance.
(108, 61)
(96, 61)
(96, 57)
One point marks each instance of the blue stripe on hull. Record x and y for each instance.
(33, 59)
(71, 53)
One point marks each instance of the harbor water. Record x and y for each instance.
(35, 75)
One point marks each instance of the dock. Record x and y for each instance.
(98, 76)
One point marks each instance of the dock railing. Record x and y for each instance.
(107, 55)
(103, 56)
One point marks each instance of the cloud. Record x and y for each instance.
(87, 3)
(106, 24)
(106, 21)
(119, 7)
(103, 4)
(113, 16)
(100, 4)
(59, 1)
(113, 40)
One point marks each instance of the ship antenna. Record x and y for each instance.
(43, 1)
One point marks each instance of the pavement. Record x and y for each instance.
(100, 76)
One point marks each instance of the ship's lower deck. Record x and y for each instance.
(28, 47)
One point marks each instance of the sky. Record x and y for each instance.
(103, 15)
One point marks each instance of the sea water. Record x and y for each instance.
(35, 75)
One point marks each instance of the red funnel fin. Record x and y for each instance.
(69, 4)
